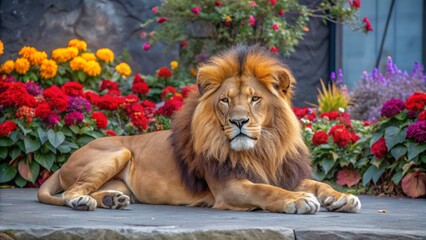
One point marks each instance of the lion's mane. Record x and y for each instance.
(280, 157)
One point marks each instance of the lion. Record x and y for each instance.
(235, 144)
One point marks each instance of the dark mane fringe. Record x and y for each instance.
(284, 164)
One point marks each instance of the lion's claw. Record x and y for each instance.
(346, 203)
(306, 204)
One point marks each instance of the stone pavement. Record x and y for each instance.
(23, 217)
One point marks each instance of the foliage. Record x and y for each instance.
(203, 27)
(44, 119)
(332, 97)
(374, 89)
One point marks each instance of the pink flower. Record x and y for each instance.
(253, 3)
(196, 10)
(273, 2)
(154, 10)
(355, 4)
(252, 21)
(368, 27)
(146, 46)
(281, 12)
(73, 118)
(274, 49)
(275, 27)
(161, 19)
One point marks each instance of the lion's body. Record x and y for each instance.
(235, 145)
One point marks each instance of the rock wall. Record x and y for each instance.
(115, 24)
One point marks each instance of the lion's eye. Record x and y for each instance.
(255, 98)
(224, 100)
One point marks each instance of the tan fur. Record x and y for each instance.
(237, 146)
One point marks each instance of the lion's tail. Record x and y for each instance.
(49, 188)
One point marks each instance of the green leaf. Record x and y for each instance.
(81, 76)
(3, 153)
(414, 149)
(318, 175)
(402, 115)
(20, 182)
(55, 138)
(31, 145)
(397, 177)
(5, 142)
(7, 173)
(393, 136)
(75, 129)
(14, 153)
(42, 135)
(24, 130)
(373, 173)
(64, 148)
(398, 151)
(85, 130)
(376, 138)
(84, 140)
(327, 164)
(45, 159)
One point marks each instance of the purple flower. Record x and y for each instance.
(333, 76)
(33, 88)
(79, 104)
(52, 119)
(73, 118)
(417, 131)
(339, 80)
(392, 107)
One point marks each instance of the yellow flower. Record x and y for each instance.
(27, 52)
(174, 65)
(1, 47)
(48, 69)
(228, 19)
(37, 57)
(22, 65)
(124, 69)
(193, 72)
(7, 67)
(78, 63)
(64, 54)
(105, 55)
(88, 56)
(79, 44)
(92, 68)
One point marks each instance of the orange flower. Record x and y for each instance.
(64, 54)
(1, 47)
(88, 56)
(7, 67)
(37, 58)
(105, 55)
(27, 52)
(22, 65)
(79, 44)
(48, 69)
(78, 63)
(92, 68)
(124, 69)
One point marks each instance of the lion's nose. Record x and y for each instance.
(239, 122)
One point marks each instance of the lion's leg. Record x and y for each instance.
(329, 198)
(244, 195)
(114, 194)
(101, 167)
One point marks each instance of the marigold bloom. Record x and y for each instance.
(27, 51)
(92, 68)
(79, 44)
(174, 65)
(7, 67)
(37, 57)
(88, 56)
(48, 69)
(124, 69)
(22, 65)
(105, 55)
(78, 63)
(64, 54)
(1, 47)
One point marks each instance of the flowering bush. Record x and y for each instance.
(43, 120)
(374, 89)
(203, 27)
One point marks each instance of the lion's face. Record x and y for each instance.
(242, 107)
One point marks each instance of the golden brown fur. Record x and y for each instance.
(235, 145)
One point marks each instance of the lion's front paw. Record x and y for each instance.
(306, 203)
(345, 203)
(85, 203)
(115, 200)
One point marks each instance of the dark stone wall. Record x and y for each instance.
(115, 24)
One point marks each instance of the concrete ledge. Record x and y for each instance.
(22, 217)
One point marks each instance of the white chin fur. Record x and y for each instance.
(242, 143)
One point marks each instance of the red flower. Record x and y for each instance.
(43, 110)
(109, 102)
(129, 99)
(139, 120)
(148, 104)
(275, 27)
(184, 43)
(217, 3)
(379, 148)
(15, 94)
(367, 123)
(164, 72)
(56, 98)
(140, 87)
(154, 10)
(187, 90)
(170, 106)
(161, 19)
(168, 92)
(273, 2)
(333, 115)
(73, 118)
(319, 137)
(196, 10)
(146, 46)
(110, 85)
(274, 49)
(101, 119)
(7, 127)
(341, 135)
(355, 4)
(422, 116)
(113, 93)
(416, 102)
(253, 3)
(307, 113)
(110, 132)
(354, 137)
(368, 27)
(73, 89)
(281, 12)
(92, 97)
(138, 78)
(252, 21)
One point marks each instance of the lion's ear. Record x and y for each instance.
(207, 79)
(285, 82)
